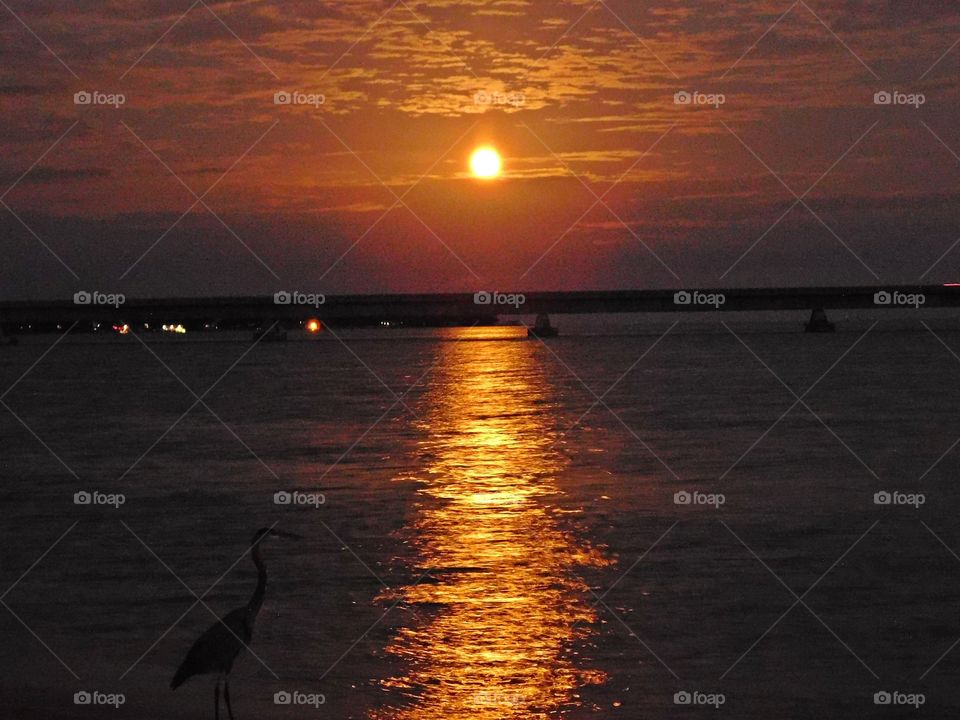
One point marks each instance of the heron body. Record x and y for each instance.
(216, 650)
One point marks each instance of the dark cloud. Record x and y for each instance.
(48, 175)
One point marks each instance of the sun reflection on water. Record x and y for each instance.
(502, 610)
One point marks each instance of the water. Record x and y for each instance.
(495, 541)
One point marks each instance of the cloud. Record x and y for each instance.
(576, 93)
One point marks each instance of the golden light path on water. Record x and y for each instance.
(503, 610)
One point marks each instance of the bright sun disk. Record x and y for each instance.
(485, 163)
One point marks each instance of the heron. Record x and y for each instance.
(217, 649)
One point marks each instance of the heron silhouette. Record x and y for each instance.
(216, 650)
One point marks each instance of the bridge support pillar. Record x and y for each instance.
(4, 338)
(819, 323)
(542, 328)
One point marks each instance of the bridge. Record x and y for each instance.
(293, 308)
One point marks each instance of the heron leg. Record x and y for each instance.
(216, 700)
(226, 696)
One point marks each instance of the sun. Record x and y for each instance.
(486, 163)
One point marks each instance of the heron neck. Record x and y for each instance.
(256, 600)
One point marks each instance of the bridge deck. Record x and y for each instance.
(465, 307)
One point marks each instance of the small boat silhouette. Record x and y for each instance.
(273, 334)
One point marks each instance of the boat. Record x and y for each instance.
(274, 334)
(542, 328)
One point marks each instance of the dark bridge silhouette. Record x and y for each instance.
(451, 309)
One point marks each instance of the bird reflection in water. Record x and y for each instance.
(502, 611)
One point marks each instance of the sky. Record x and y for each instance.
(645, 145)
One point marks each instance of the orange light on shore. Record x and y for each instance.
(313, 326)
